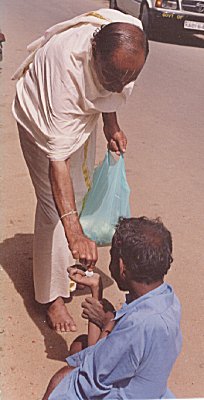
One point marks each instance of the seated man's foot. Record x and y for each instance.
(58, 317)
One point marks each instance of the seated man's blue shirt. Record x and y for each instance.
(134, 361)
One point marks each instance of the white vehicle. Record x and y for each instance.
(185, 15)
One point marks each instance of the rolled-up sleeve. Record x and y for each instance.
(68, 135)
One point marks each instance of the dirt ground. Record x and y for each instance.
(172, 187)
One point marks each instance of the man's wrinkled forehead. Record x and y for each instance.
(123, 65)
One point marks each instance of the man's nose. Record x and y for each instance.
(117, 88)
(120, 89)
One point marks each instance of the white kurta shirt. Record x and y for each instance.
(59, 98)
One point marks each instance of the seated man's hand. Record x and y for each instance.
(79, 276)
(94, 311)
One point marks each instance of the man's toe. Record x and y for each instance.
(66, 327)
(73, 327)
(57, 327)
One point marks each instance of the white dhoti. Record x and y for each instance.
(51, 254)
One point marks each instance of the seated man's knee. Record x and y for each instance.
(80, 343)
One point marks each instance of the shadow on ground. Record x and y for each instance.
(16, 260)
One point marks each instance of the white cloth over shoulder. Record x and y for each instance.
(59, 97)
(96, 18)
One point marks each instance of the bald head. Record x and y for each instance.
(120, 50)
(120, 35)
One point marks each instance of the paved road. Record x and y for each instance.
(164, 122)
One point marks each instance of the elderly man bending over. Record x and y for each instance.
(80, 69)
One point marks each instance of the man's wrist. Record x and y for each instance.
(72, 227)
(104, 323)
(100, 322)
(110, 124)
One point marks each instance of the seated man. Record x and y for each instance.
(139, 345)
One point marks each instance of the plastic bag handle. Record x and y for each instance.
(109, 154)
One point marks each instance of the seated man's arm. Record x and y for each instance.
(107, 329)
(97, 310)
(93, 329)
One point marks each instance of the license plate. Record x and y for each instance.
(194, 25)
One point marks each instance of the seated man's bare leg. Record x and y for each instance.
(80, 343)
(56, 379)
(58, 317)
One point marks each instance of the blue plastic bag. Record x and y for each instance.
(106, 201)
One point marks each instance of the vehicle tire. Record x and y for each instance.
(113, 4)
(145, 18)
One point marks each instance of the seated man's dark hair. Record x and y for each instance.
(145, 247)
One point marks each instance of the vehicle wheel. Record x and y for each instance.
(113, 4)
(145, 18)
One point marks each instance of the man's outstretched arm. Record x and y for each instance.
(82, 248)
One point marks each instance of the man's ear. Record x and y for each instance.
(122, 268)
(93, 44)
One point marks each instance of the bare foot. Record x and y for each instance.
(58, 317)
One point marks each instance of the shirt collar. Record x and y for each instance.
(129, 306)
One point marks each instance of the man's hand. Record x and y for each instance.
(117, 142)
(95, 312)
(79, 276)
(116, 138)
(83, 249)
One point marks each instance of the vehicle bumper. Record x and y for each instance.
(176, 20)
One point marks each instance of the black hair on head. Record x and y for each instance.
(145, 247)
(117, 35)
